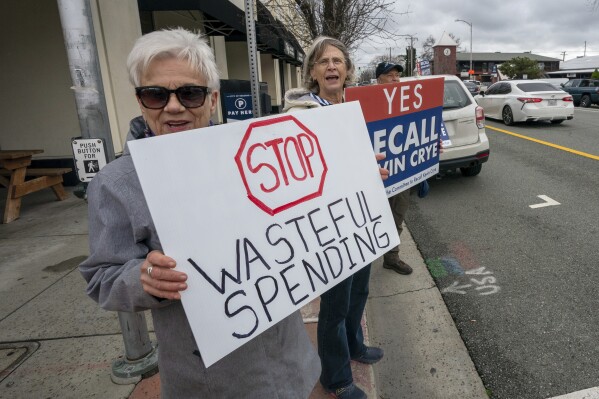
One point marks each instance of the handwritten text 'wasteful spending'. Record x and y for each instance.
(264, 215)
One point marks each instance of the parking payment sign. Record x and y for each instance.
(90, 157)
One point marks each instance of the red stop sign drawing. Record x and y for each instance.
(281, 164)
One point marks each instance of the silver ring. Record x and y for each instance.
(149, 270)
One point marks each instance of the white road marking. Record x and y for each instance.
(548, 202)
(591, 393)
(455, 288)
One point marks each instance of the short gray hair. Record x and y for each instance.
(315, 52)
(173, 43)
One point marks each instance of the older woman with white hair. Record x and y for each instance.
(326, 71)
(176, 84)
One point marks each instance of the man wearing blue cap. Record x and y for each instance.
(387, 72)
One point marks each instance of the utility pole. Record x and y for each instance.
(410, 60)
(82, 54)
(471, 71)
(585, 49)
(563, 56)
(141, 357)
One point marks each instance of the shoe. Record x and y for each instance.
(370, 356)
(399, 266)
(349, 392)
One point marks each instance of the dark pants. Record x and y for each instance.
(339, 330)
(399, 204)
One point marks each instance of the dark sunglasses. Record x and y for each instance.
(156, 97)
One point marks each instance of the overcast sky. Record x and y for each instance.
(545, 27)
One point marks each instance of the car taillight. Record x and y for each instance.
(569, 98)
(480, 117)
(526, 100)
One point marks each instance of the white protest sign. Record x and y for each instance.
(264, 215)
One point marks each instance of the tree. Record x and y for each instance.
(457, 40)
(427, 48)
(350, 21)
(429, 42)
(595, 74)
(517, 67)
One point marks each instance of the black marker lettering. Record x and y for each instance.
(241, 309)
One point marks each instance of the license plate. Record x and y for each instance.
(551, 102)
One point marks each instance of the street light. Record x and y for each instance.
(470, 24)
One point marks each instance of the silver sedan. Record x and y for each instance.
(526, 100)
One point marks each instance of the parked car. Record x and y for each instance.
(473, 88)
(526, 100)
(464, 122)
(584, 92)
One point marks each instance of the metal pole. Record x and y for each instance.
(250, 27)
(471, 69)
(76, 19)
(469, 24)
(80, 43)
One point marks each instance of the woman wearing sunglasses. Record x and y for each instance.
(176, 84)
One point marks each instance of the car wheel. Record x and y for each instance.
(507, 116)
(557, 122)
(472, 170)
(585, 101)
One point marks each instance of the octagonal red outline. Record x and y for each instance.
(251, 196)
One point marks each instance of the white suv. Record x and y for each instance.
(465, 124)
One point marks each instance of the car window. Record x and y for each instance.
(535, 86)
(584, 83)
(568, 83)
(492, 89)
(454, 95)
(504, 88)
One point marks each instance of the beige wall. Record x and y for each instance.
(41, 110)
(38, 107)
(270, 74)
(237, 56)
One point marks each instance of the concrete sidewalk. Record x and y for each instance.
(55, 342)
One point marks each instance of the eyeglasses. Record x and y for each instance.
(323, 63)
(156, 97)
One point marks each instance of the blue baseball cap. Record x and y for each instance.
(385, 67)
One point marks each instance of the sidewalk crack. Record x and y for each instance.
(401, 293)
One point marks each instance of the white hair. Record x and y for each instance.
(176, 43)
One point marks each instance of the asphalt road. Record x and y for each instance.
(521, 281)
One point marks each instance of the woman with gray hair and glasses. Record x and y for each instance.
(177, 85)
(327, 69)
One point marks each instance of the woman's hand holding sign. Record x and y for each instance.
(384, 172)
(159, 278)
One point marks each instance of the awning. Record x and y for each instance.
(223, 18)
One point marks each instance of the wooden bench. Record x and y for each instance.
(40, 171)
(45, 177)
(14, 164)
